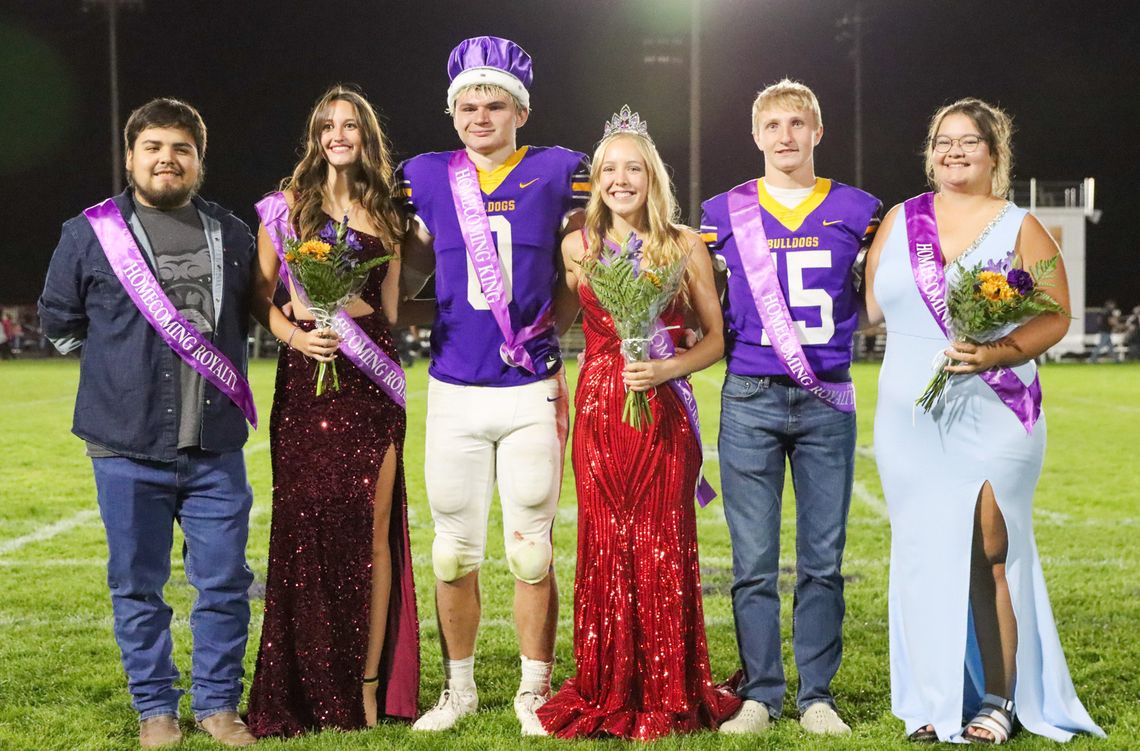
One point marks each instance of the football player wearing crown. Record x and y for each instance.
(489, 218)
(789, 242)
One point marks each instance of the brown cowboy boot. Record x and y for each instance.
(159, 732)
(228, 729)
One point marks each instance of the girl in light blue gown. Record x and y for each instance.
(972, 636)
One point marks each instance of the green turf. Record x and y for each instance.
(61, 686)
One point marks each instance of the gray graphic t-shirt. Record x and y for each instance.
(183, 259)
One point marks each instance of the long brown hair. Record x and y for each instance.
(372, 184)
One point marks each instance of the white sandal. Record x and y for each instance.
(995, 717)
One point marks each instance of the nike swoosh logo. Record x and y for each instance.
(553, 398)
(833, 221)
(531, 182)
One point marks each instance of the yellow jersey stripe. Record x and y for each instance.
(490, 181)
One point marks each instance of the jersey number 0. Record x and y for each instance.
(501, 228)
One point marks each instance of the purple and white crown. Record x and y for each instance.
(490, 60)
(625, 121)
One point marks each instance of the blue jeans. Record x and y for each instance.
(209, 497)
(763, 423)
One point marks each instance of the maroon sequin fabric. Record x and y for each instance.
(326, 454)
(639, 635)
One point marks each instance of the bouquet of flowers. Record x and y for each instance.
(987, 297)
(331, 273)
(634, 295)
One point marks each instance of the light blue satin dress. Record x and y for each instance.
(932, 466)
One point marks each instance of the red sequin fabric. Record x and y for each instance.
(326, 455)
(639, 635)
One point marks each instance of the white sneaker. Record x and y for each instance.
(752, 717)
(452, 705)
(526, 707)
(822, 719)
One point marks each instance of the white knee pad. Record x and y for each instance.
(529, 557)
(452, 560)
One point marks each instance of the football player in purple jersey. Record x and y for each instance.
(788, 242)
(489, 218)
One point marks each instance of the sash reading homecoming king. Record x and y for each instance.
(930, 278)
(357, 346)
(146, 293)
(476, 229)
(748, 225)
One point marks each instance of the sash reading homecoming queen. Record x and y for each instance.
(930, 278)
(357, 346)
(476, 229)
(146, 293)
(747, 224)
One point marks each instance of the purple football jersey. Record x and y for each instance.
(527, 200)
(813, 246)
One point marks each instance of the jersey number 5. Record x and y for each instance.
(501, 228)
(806, 297)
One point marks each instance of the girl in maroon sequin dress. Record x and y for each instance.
(340, 641)
(639, 635)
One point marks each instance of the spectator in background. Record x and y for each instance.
(1109, 324)
(6, 337)
(1132, 334)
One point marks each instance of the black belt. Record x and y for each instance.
(842, 375)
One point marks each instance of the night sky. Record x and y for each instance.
(1067, 72)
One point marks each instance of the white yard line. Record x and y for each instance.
(1068, 401)
(48, 531)
(80, 518)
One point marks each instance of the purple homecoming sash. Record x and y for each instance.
(930, 278)
(199, 353)
(476, 230)
(760, 272)
(661, 348)
(357, 346)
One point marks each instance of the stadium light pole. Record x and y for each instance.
(852, 26)
(669, 50)
(113, 55)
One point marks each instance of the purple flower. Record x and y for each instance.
(1020, 280)
(633, 245)
(352, 240)
(328, 233)
(1003, 265)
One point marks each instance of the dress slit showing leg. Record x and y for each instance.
(327, 453)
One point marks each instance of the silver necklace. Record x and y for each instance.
(981, 238)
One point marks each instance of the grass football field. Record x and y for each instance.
(61, 686)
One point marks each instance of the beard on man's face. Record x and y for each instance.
(171, 197)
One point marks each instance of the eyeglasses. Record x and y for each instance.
(942, 144)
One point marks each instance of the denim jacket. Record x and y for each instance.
(128, 377)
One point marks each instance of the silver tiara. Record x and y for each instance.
(625, 121)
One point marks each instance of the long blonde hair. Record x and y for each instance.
(372, 184)
(665, 242)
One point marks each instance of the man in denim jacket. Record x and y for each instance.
(164, 441)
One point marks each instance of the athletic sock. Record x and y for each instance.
(460, 674)
(535, 675)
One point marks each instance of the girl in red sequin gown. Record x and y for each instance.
(340, 639)
(639, 637)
